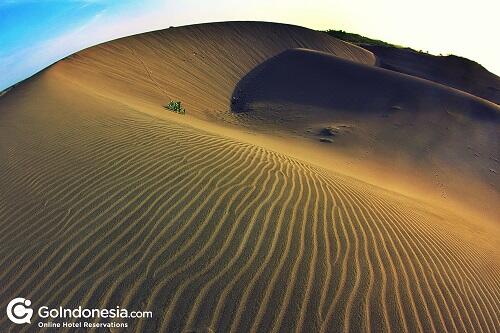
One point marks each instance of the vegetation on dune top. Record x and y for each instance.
(366, 41)
(357, 39)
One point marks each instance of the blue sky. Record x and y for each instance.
(34, 34)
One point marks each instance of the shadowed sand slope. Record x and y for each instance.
(106, 201)
(453, 71)
(377, 114)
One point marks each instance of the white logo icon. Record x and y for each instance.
(18, 310)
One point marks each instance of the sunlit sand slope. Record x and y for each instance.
(102, 205)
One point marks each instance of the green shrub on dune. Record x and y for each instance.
(175, 106)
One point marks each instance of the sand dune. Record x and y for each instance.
(454, 71)
(107, 199)
(205, 62)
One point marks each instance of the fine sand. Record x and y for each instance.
(305, 189)
(454, 71)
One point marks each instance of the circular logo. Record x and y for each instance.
(18, 311)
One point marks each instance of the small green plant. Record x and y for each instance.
(357, 39)
(175, 106)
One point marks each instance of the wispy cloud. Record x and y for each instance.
(30, 59)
